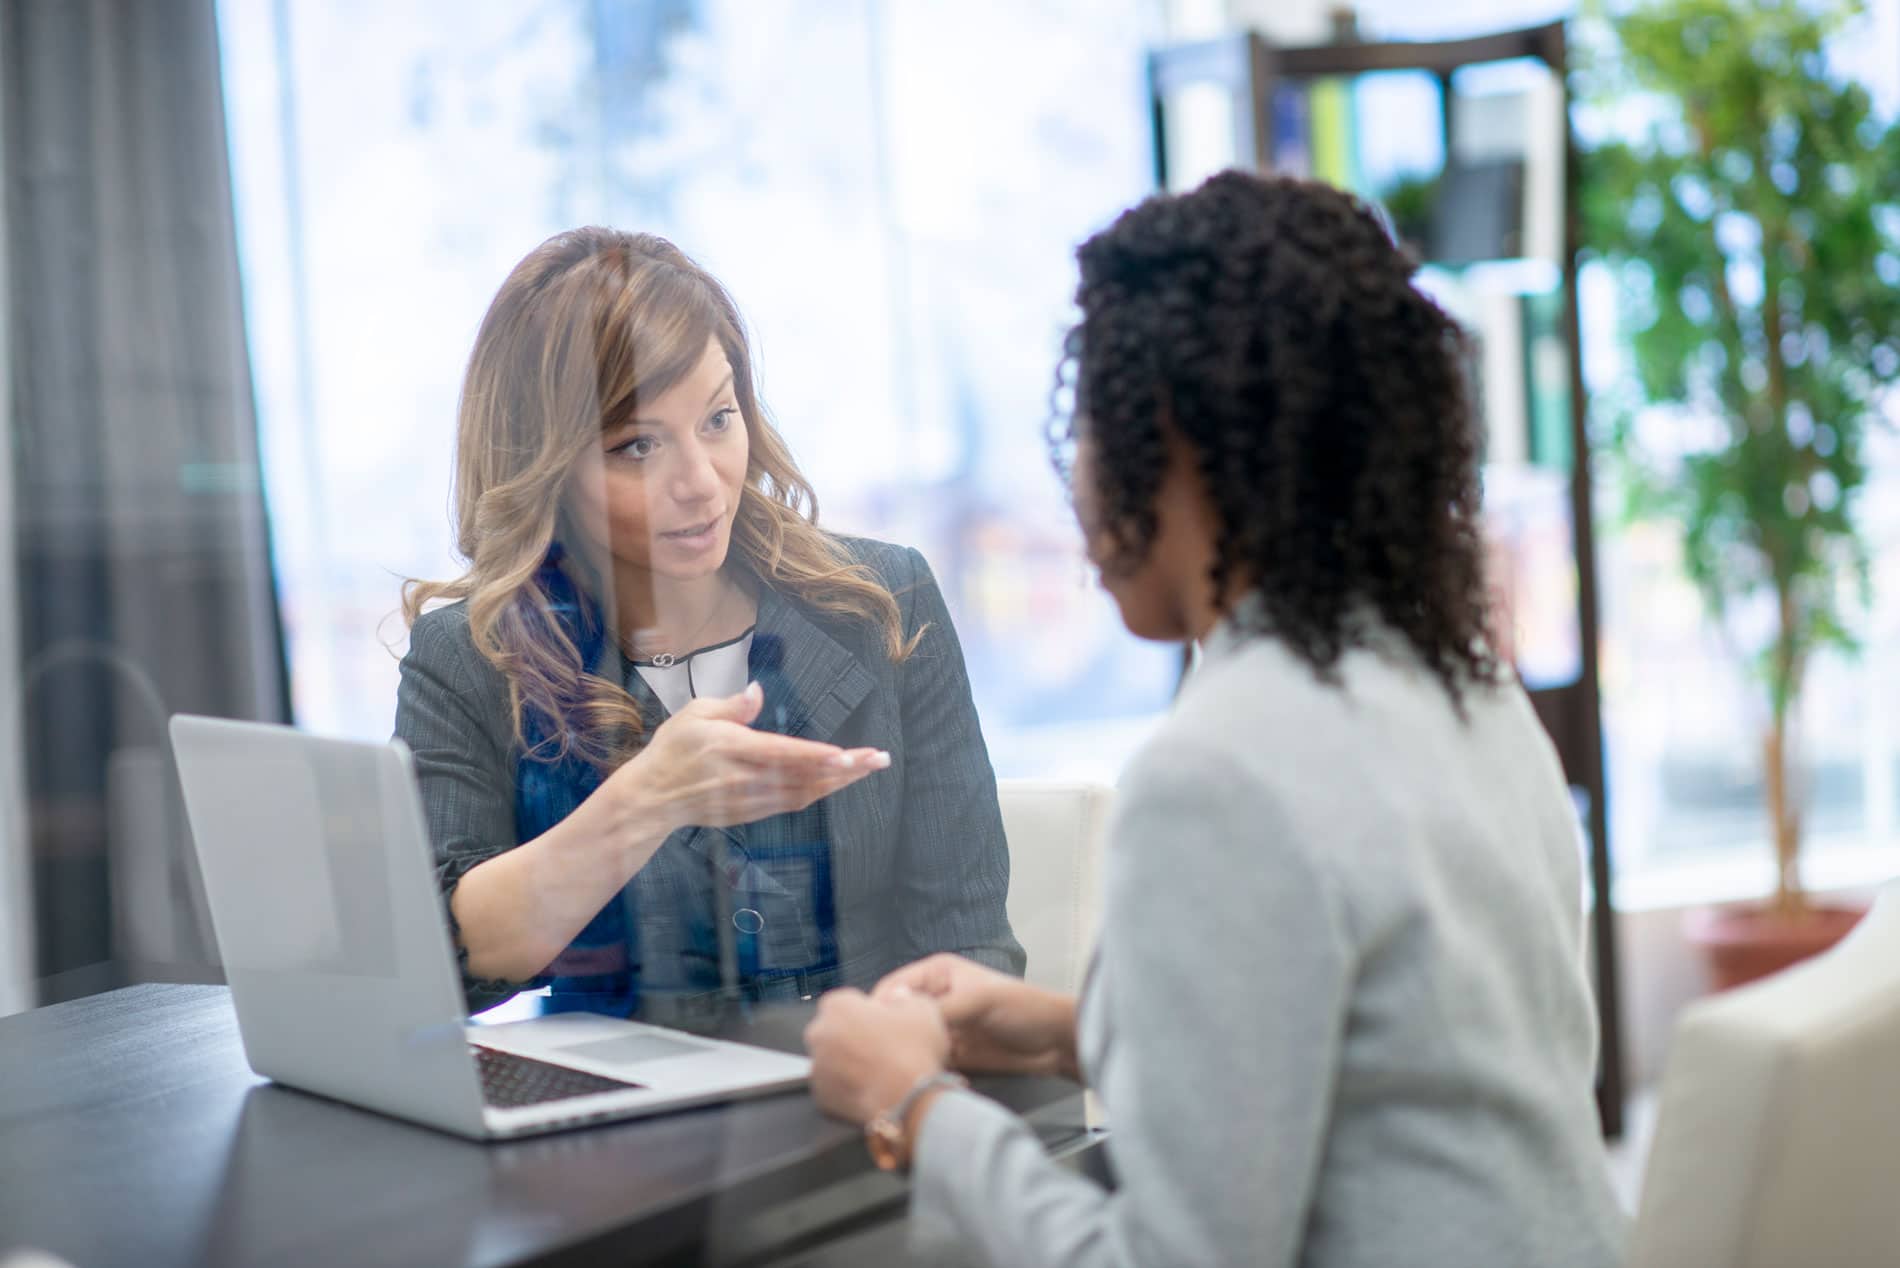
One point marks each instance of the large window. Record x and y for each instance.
(1682, 719)
(892, 191)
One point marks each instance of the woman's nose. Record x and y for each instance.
(693, 477)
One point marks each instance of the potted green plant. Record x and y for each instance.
(1411, 201)
(1752, 230)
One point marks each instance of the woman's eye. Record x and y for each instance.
(723, 419)
(638, 448)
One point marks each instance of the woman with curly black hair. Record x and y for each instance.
(1339, 1014)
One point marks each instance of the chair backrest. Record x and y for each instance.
(1055, 831)
(1778, 1134)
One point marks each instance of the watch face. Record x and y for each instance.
(885, 1140)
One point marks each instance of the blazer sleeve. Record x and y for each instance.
(1226, 974)
(449, 714)
(953, 865)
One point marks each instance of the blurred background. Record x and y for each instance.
(247, 245)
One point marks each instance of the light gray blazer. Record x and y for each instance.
(912, 858)
(1338, 1016)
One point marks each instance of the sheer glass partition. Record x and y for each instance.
(841, 169)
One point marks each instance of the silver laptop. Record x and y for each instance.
(323, 898)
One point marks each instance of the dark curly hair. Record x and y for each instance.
(1272, 324)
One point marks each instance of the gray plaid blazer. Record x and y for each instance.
(910, 860)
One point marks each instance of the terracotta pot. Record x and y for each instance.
(1744, 943)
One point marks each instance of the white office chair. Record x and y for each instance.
(1055, 831)
(1778, 1134)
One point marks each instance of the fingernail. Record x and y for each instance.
(880, 759)
(753, 689)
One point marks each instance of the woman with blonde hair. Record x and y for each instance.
(674, 740)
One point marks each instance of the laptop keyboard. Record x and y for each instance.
(510, 1081)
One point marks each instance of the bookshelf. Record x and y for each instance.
(1474, 161)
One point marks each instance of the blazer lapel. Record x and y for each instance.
(819, 681)
(822, 683)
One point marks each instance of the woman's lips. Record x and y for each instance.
(695, 537)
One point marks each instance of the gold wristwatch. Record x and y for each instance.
(890, 1144)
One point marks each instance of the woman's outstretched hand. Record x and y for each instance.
(705, 766)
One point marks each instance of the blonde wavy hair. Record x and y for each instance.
(592, 321)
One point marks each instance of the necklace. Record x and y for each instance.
(666, 660)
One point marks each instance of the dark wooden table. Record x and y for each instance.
(133, 1132)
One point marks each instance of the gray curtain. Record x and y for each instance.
(142, 549)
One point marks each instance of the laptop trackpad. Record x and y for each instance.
(633, 1049)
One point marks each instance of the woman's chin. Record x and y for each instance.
(1158, 631)
(688, 559)
(1141, 614)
